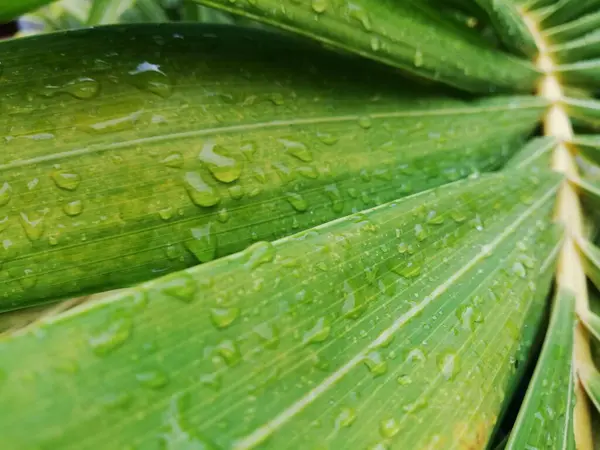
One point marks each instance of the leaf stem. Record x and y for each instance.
(570, 272)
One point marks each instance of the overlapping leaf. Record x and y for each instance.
(408, 35)
(190, 143)
(409, 322)
(574, 29)
(11, 9)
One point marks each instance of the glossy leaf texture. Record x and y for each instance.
(586, 47)
(563, 11)
(537, 151)
(585, 111)
(545, 419)
(587, 146)
(584, 73)
(574, 29)
(412, 36)
(11, 9)
(409, 323)
(192, 142)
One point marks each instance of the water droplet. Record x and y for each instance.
(203, 244)
(149, 77)
(248, 150)
(319, 6)
(354, 305)
(345, 418)
(448, 365)
(357, 12)
(319, 332)
(177, 435)
(408, 270)
(434, 218)
(66, 180)
(118, 400)
(418, 58)
(379, 446)
(415, 406)
(328, 138)
(33, 224)
(375, 362)
(180, 286)
(200, 192)
(421, 232)
(174, 160)
(166, 213)
(297, 201)
(277, 99)
(236, 192)
(334, 194)
(466, 316)
(375, 43)
(389, 427)
(259, 253)
(27, 277)
(365, 122)
(519, 269)
(223, 317)
(220, 164)
(113, 125)
(308, 172)
(211, 380)
(223, 215)
(415, 355)
(115, 332)
(153, 379)
(73, 208)
(297, 149)
(81, 88)
(268, 335)
(229, 351)
(5, 193)
(404, 380)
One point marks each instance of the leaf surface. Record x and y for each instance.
(193, 142)
(11, 9)
(404, 34)
(574, 29)
(545, 419)
(406, 324)
(588, 146)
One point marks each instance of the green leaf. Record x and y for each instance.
(509, 25)
(588, 146)
(589, 191)
(193, 142)
(590, 378)
(408, 35)
(405, 323)
(585, 47)
(586, 111)
(545, 419)
(536, 152)
(575, 29)
(591, 260)
(108, 11)
(584, 73)
(591, 320)
(10, 9)
(563, 11)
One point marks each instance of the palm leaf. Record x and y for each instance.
(10, 9)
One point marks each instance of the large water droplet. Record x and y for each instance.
(66, 180)
(229, 351)
(113, 125)
(177, 434)
(319, 6)
(73, 208)
(259, 253)
(173, 160)
(421, 232)
(5, 193)
(354, 304)
(297, 149)
(223, 317)
(357, 12)
(375, 362)
(319, 332)
(448, 365)
(200, 192)
(33, 224)
(149, 77)
(203, 244)
(389, 427)
(115, 332)
(267, 334)
(297, 201)
(334, 194)
(153, 379)
(345, 418)
(519, 269)
(180, 286)
(81, 88)
(221, 165)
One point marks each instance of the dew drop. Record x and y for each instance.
(404, 380)
(180, 286)
(375, 362)
(357, 12)
(420, 232)
(166, 213)
(220, 163)
(345, 418)
(73, 208)
(318, 333)
(389, 427)
(223, 317)
(200, 192)
(328, 138)
(334, 194)
(229, 351)
(115, 332)
(375, 43)
(173, 160)
(152, 379)
(5, 193)
(519, 270)
(177, 435)
(354, 305)
(448, 365)
(211, 380)
(66, 180)
(418, 58)
(409, 270)
(319, 6)
(267, 334)
(33, 224)
(308, 172)
(113, 125)
(236, 192)
(434, 218)
(365, 122)
(297, 201)
(297, 149)
(148, 76)
(81, 88)
(203, 244)
(259, 253)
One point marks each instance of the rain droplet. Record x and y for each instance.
(149, 77)
(166, 213)
(519, 270)
(420, 232)
(297, 149)
(389, 427)
(297, 201)
(365, 122)
(211, 380)
(220, 164)
(308, 172)
(177, 435)
(409, 270)
(5, 193)
(375, 43)
(174, 160)
(319, 6)
(357, 12)
(200, 192)
(229, 351)
(345, 418)
(418, 58)
(404, 380)
(203, 244)
(223, 317)
(259, 253)
(434, 218)
(180, 286)
(153, 379)
(319, 332)
(81, 88)
(33, 224)
(448, 365)
(354, 305)
(73, 208)
(375, 362)
(113, 125)
(328, 138)
(334, 194)
(66, 180)
(236, 192)
(114, 333)
(267, 334)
